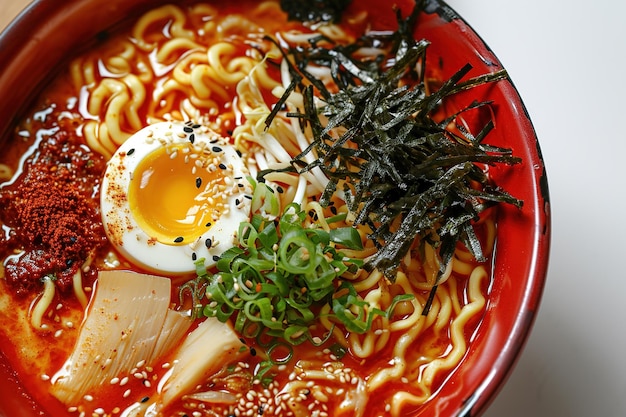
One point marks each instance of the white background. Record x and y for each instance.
(568, 60)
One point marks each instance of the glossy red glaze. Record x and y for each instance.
(49, 31)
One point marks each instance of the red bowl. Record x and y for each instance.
(48, 31)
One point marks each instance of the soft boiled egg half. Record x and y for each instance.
(172, 194)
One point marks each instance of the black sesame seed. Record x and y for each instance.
(240, 185)
(194, 256)
(249, 197)
(179, 239)
(216, 258)
(145, 399)
(130, 151)
(208, 243)
(187, 129)
(333, 209)
(238, 178)
(237, 201)
(242, 340)
(253, 351)
(192, 138)
(222, 166)
(238, 152)
(216, 149)
(208, 224)
(280, 189)
(196, 126)
(198, 182)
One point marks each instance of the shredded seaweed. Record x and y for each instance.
(380, 145)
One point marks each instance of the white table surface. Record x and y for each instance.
(568, 60)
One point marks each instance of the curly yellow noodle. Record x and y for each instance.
(79, 292)
(417, 303)
(181, 71)
(98, 142)
(137, 91)
(459, 344)
(189, 111)
(446, 309)
(235, 69)
(370, 282)
(398, 363)
(370, 343)
(120, 63)
(83, 73)
(459, 347)
(42, 304)
(109, 97)
(203, 81)
(165, 97)
(453, 285)
(171, 51)
(152, 18)
(460, 266)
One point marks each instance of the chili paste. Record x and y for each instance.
(52, 213)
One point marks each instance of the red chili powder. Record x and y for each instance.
(53, 212)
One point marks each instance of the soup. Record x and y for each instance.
(220, 210)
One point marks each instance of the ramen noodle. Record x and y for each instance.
(213, 65)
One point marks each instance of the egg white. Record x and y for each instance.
(135, 243)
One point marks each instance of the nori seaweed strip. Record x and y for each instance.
(394, 160)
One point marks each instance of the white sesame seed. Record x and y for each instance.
(88, 397)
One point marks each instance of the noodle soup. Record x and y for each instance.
(242, 325)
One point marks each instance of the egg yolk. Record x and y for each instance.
(172, 197)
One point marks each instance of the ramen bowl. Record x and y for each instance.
(47, 34)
